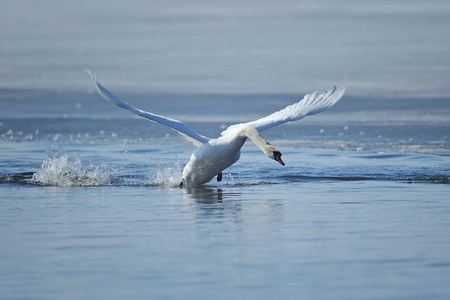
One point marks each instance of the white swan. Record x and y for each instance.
(215, 155)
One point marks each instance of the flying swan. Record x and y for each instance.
(215, 155)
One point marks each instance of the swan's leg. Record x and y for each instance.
(219, 177)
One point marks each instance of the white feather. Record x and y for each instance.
(311, 104)
(176, 125)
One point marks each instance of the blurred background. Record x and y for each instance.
(380, 48)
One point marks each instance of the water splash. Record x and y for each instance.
(65, 170)
(168, 177)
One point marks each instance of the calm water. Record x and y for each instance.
(89, 204)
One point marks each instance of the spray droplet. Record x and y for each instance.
(55, 151)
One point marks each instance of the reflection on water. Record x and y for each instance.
(213, 205)
(205, 195)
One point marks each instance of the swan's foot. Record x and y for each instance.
(182, 184)
(219, 177)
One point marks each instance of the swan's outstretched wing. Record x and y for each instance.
(185, 131)
(311, 104)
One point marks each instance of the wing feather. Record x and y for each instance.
(176, 125)
(311, 104)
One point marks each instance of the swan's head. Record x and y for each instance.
(273, 153)
(277, 156)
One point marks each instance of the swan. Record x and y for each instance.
(215, 155)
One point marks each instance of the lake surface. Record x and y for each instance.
(89, 196)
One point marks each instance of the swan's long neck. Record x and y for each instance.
(258, 140)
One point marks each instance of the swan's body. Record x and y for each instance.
(215, 155)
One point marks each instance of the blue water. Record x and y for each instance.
(90, 207)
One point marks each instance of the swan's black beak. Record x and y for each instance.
(277, 157)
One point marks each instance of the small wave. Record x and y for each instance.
(428, 179)
(20, 178)
(65, 170)
(262, 182)
(438, 179)
(319, 178)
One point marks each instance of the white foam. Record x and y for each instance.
(65, 170)
(168, 177)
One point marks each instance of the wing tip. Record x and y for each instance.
(336, 93)
(341, 90)
(336, 89)
(93, 76)
(104, 93)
